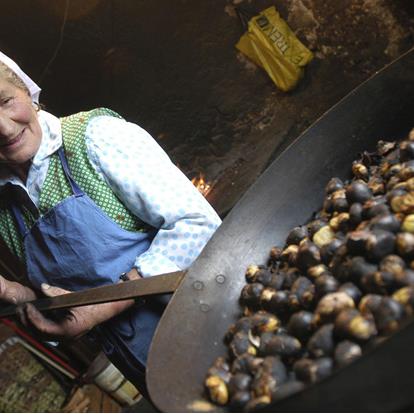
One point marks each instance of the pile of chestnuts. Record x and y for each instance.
(341, 284)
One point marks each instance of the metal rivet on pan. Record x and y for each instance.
(197, 285)
(204, 307)
(220, 279)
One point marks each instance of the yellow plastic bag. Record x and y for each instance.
(271, 44)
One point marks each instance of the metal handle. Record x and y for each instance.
(154, 285)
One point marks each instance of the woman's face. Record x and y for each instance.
(20, 132)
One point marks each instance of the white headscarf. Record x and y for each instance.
(32, 86)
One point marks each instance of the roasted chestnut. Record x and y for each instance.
(333, 185)
(239, 382)
(291, 275)
(355, 213)
(330, 305)
(346, 352)
(369, 303)
(340, 265)
(251, 272)
(352, 290)
(407, 170)
(264, 276)
(322, 343)
(360, 170)
(398, 191)
(388, 315)
(325, 284)
(275, 301)
(358, 192)
(300, 325)
(323, 236)
(405, 278)
(408, 223)
(327, 251)
(340, 222)
(315, 225)
(289, 255)
(379, 244)
(355, 326)
(356, 242)
(385, 147)
(246, 364)
(250, 294)
(376, 185)
(265, 322)
(374, 207)
(358, 267)
(244, 325)
(297, 235)
(313, 370)
(388, 222)
(405, 296)
(279, 345)
(275, 253)
(304, 290)
(269, 377)
(239, 399)
(221, 369)
(316, 271)
(241, 344)
(406, 150)
(217, 390)
(378, 282)
(275, 367)
(308, 256)
(339, 203)
(405, 245)
(409, 184)
(258, 274)
(277, 280)
(393, 264)
(263, 384)
(403, 203)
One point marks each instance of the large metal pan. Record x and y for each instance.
(189, 336)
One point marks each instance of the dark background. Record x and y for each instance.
(171, 66)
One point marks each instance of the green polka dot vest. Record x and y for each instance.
(56, 187)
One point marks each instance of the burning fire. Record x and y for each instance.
(201, 184)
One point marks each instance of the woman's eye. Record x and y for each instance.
(6, 101)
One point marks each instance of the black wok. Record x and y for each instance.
(189, 336)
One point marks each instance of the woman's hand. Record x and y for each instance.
(76, 322)
(15, 293)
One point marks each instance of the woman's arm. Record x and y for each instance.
(154, 189)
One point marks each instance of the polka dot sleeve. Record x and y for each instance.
(152, 187)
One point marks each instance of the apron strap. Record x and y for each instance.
(77, 191)
(21, 225)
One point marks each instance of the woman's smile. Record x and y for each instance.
(13, 143)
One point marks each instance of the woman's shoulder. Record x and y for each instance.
(85, 122)
(87, 116)
(103, 124)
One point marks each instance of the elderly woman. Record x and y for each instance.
(88, 200)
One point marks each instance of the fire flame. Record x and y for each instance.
(203, 186)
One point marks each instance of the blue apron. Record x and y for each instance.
(76, 246)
